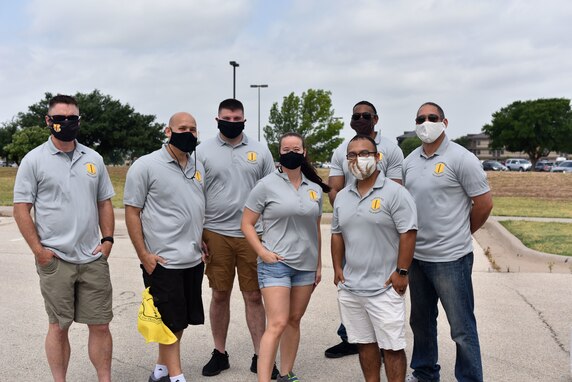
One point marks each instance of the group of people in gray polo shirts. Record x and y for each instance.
(223, 208)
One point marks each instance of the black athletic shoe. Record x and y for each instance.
(254, 367)
(342, 349)
(218, 363)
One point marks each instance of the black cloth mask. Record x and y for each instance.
(362, 126)
(291, 160)
(65, 131)
(229, 129)
(186, 141)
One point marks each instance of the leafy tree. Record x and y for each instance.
(463, 141)
(7, 130)
(311, 116)
(25, 140)
(535, 127)
(410, 144)
(114, 129)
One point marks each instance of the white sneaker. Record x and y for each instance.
(411, 378)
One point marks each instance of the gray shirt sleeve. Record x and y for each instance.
(256, 200)
(136, 188)
(472, 177)
(26, 184)
(268, 162)
(337, 162)
(105, 188)
(394, 164)
(404, 211)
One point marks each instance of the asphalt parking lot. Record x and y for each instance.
(524, 319)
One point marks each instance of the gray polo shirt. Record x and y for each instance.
(389, 165)
(65, 194)
(173, 207)
(442, 186)
(230, 175)
(289, 218)
(370, 227)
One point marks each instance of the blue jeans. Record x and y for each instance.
(451, 283)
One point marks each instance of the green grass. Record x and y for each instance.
(553, 238)
(532, 207)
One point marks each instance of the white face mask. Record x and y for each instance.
(428, 132)
(363, 167)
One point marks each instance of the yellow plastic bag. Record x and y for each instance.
(149, 322)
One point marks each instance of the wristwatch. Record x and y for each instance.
(402, 271)
(107, 238)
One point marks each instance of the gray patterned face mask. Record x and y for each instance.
(362, 168)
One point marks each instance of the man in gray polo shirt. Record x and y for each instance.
(453, 201)
(164, 212)
(363, 121)
(373, 230)
(233, 164)
(69, 187)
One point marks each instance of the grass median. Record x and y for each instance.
(514, 194)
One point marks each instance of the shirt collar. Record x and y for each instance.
(440, 151)
(379, 183)
(166, 155)
(222, 142)
(284, 176)
(54, 150)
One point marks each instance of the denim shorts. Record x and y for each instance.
(280, 274)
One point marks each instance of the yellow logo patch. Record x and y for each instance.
(57, 127)
(251, 156)
(91, 169)
(198, 176)
(375, 205)
(380, 155)
(439, 168)
(313, 195)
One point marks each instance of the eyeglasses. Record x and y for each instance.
(63, 118)
(361, 154)
(422, 118)
(367, 116)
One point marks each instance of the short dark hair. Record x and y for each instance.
(367, 104)
(231, 104)
(61, 98)
(361, 137)
(439, 109)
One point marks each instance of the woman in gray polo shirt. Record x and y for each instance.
(289, 266)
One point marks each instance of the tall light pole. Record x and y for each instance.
(234, 64)
(259, 86)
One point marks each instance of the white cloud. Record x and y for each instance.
(163, 57)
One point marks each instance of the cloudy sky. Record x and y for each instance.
(471, 57)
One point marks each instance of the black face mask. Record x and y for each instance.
(229, 129)
(186, 142)
(362, 126)
(65, 131)
(291, 160)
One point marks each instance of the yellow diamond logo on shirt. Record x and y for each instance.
(439, 168)
(198, 175)
(91, 169)
(251, 156)
(313, 195)
(375, 205)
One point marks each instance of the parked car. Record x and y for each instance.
(518, 165)
(565, 166)
(493, 165)
(544, 165)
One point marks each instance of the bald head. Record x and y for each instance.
(181, 122)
